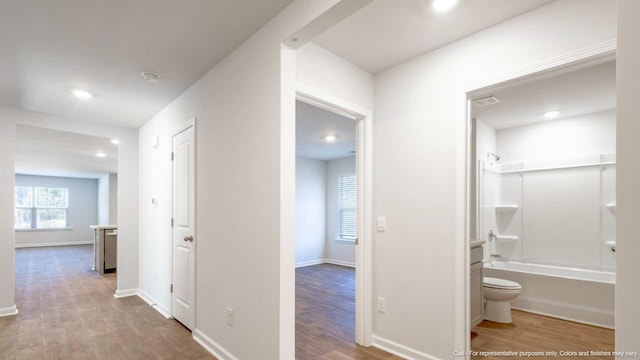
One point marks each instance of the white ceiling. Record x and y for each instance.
(49, 48)
(57, 153)
(313, 124)
(579, 92)
(388, 32)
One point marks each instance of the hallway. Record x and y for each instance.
(68, 311)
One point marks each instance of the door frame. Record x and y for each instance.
(191, 123)
(364, 175)
(590, 55)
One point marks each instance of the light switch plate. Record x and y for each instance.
(381, 224)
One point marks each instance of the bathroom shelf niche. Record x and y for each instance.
(507, 237)
(505, 208)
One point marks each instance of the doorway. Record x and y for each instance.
(341, 249)
(65, 193)
(542, 209)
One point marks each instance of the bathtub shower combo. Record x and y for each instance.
(550, 234)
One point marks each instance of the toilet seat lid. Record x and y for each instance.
(500, 283)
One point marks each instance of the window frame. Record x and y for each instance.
(34, 210)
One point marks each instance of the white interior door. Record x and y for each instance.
(183, 288)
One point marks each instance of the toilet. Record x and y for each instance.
(498, 294)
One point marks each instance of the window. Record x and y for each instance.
(347, 207)
(41, 207)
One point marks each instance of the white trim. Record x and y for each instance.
(565, 312)
(404, 352)
(9, 311)
(345, 240)
(364, 161)
(326, 261)
(213, 347)
(154, 303)
(125, 293)
(310, 263)
(599, 51)
(62, 243)
(44, 229)
(595, 53)
(340, 263)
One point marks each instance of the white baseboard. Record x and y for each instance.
(340, 262)
(62, 243)
(213, 347)
(310, 262)
(9, 311)
(565, 312)
(325, 261)
(404, 352)
(125, 293)
(154, 303)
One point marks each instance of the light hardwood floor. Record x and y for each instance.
(325, 315)
(530, 332)
(68, 311)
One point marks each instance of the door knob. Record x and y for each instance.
(188, 238)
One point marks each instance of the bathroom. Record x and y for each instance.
(544, 204)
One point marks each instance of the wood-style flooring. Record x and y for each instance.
(325, 315)
(530, 332)
(68, 311)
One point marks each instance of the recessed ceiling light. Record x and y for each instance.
(100, 154)
(330, 138)
(150, 76)
(115, 141)
(81, 94)
(551, 114)
(443, 5)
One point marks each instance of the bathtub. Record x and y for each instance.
(582, 295)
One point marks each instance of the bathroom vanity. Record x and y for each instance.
(475, 280)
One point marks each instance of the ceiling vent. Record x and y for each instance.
(486, 101)
(150, 76)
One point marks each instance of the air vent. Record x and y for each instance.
(486, 101)
(150, 76)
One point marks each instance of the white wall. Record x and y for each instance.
(332, 75)
(245, 235)
(82, 211)
(127, 195)
(7, 233)
(490, 183)
(420, 166)
(628, 246)
(108, 199)
(485, 140)
(103, 200)
(311, 210)
(338, 251)
(589, 134)
(113, 199)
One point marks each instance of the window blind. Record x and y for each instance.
(347, 205)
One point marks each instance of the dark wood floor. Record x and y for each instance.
(325, 315)
(530, 332)
(68, 311)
